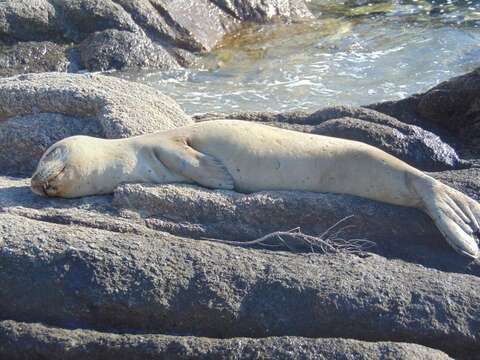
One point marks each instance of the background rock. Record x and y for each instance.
(453, 105)
(36, 341)
(38, 110)
(113, 49)
(28, 57)
(131, 33)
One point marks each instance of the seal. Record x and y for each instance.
(248, 157)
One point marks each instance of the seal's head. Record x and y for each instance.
(69, 168)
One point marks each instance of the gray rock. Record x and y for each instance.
(28, 20)
(202, 24)
(22, 340)
(200, 213)
(29, 136)
(80, 277)
(290, 117)
(91, 105)
(414, 145)
(34, 57)
(467, 180)
(113, 49)
(137, 33)
(453, 105)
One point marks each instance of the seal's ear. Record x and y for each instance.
(181, 158)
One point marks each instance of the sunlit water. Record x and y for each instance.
(349, 55)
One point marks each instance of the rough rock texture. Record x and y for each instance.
(132, 33)
(414, 145)
(38, 110)
(453, 105)
(22, 340)
(72, 276)
(114, 49)
(28, 57)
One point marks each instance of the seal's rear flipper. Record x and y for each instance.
(456, 215)
(181, 158)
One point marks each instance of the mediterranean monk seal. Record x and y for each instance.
(248, 157)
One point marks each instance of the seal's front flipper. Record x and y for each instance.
(456, 215)
(181, 158)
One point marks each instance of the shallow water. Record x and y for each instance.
(349, 55)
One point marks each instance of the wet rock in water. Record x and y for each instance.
(453, 105)
(136, 33)
(81, 277)
(39, 109)
(258, 11)
(36, 340)
(410, 143)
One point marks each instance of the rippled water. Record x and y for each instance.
(350, 55)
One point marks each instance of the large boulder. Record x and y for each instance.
(132, 33)
(39, 109)
(114, 49)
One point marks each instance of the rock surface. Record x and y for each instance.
(37, 110)
(72, 276)
(34, 57)
(38, 341)
(119, 34)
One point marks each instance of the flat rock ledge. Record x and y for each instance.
(74, 276)
(37, 110)
(22, 340)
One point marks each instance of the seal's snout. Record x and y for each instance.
(37, 186)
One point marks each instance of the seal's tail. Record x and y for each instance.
(456, 215)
